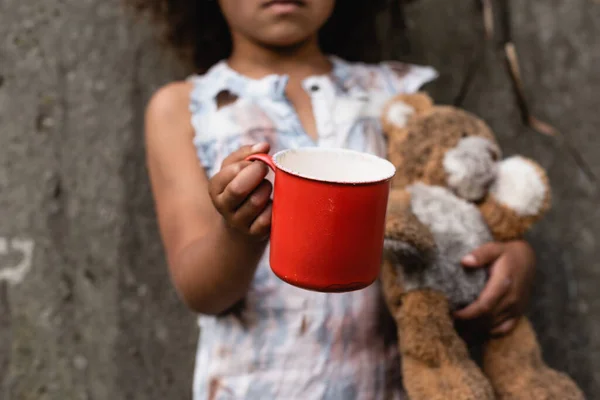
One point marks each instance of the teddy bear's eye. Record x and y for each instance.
(464, 135)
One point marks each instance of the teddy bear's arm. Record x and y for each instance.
(408, 243)
(407, 240)
(519, 197)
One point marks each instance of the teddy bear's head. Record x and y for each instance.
(452, 148)
(440, 145)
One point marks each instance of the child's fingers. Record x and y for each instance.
(497, 287)
(244, 183)
(261, 227)
(509, 304)
(252, 207)
(501, 315)
(237, 178)
(508, 308)
(222, 179)
(501, 324)
(483, 255)
(245, 151)
(505, 327)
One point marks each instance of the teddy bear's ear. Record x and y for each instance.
(401, 108)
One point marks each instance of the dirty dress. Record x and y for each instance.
(289, 343)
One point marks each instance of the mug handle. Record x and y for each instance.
(267, 159)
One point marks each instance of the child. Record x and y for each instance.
(270, 81)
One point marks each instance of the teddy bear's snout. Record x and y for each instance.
(471, 167)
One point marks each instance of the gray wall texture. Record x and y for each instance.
(86, 307)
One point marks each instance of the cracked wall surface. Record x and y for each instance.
(94, 317)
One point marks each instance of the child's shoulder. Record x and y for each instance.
(169, 106)
(170, 100)
(171, 96)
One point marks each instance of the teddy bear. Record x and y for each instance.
(453, 192)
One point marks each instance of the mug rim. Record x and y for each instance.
(382, 161)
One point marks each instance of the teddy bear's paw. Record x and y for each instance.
(521, 185)
(471, 167)
(446, 384)
(551, 385)
(533, 379)
(536, 382)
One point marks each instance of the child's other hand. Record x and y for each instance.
(241, 193)
(505, 296)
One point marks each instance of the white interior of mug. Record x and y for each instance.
(334, 165)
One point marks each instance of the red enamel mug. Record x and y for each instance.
(328, 220)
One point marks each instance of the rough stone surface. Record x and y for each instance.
(86, 308)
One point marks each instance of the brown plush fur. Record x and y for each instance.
(393, 289)
(504, 223)
(433, 351)
(430, 347)
(420, 102)
(418, 156)
(435, 361)
(517, 371)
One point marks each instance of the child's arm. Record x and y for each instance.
(211, 261)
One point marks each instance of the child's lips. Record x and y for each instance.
(284, 6)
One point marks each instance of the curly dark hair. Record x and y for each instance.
(198, 32)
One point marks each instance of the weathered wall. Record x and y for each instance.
(559, 48)
(94, 317)
(86, 309)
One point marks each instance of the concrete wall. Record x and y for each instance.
(86, 308)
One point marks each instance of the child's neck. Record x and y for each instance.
(298, 62)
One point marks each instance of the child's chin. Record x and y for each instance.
(286, 36)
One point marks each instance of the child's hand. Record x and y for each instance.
(241, 193)
(504, 298)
